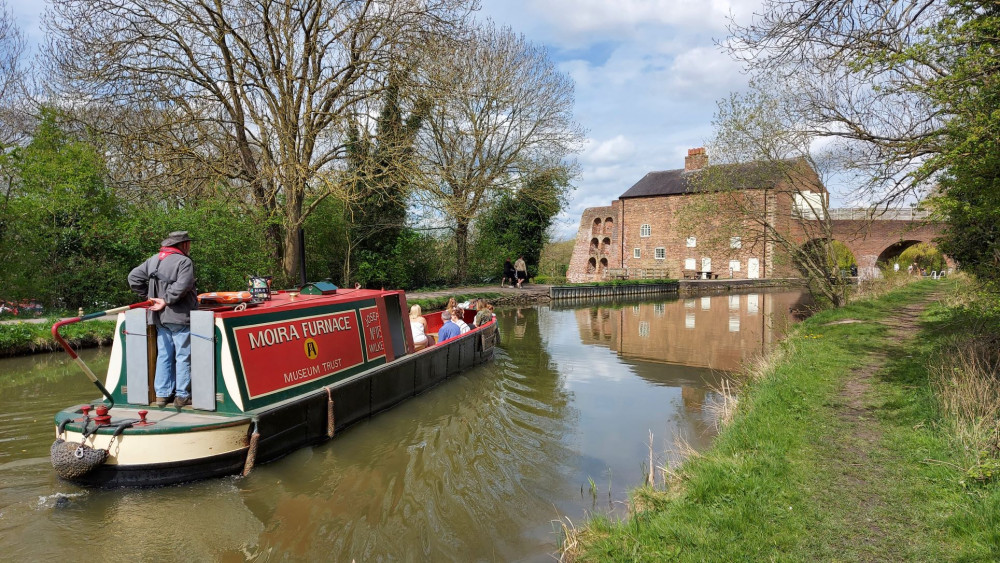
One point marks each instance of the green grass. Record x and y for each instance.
(32, 338)
(800, 475)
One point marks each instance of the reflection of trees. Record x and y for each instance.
(459, 472)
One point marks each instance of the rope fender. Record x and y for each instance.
(72, 460)
(252, 450)
(330, 422)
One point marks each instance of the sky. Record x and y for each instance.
(648, 74)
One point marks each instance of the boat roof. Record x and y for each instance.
(285, 300)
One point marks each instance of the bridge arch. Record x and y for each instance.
(843, 254)
(893, 251)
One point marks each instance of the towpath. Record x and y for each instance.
(529, 293)
(868, 518)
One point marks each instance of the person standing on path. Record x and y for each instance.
(522, 271)
(508, 273)
(167, 279)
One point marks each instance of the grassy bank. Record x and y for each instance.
(17, 339)
(839, 450)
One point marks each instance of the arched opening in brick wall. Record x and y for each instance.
(816, 250)
(606, 245)
(603, 266)
(591, 265)
(609, 226)
(887, 256)
(593, 244)
(596, 229)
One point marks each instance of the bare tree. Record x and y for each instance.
(859, 71)
(254, 93)
(764, 186)
(500, 110)
(12, 75)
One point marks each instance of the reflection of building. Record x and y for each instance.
(717, 332)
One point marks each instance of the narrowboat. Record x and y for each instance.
(266, 378)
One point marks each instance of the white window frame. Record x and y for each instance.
(691, 242)
(660, 253)
(644, 329)
(636, 253)
(645, 230)
(735, 242)
(734, 265)
(690, 264)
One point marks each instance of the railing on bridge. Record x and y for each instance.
(866, 214)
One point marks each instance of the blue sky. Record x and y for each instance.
(647, 72)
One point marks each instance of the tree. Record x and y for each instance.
(763, 163)
(518, 223)
(911, 89)
(382, 164)
(500, 112)
(248, 94)
(968, 195)
(856, 73)
(60, 214)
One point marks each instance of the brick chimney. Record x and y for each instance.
(696, 159)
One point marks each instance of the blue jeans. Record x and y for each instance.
(173, 361)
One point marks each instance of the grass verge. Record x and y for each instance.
(18, 339)
(842, 452)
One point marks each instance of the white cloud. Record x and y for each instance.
(648, 74)
(610, 151)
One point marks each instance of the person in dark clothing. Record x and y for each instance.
(167, 278)
(509, 273)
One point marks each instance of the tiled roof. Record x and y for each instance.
(666, 182)
(753, 175)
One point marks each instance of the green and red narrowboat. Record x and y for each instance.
(265, 380)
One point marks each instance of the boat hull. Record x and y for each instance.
(142, 458)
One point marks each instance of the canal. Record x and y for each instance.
(480, 468)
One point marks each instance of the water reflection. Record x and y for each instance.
(473, 470)
(714, 332)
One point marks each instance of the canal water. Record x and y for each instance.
(483, 467)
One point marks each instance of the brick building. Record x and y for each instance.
(669, 225)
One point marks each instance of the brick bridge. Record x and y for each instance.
(880, 238)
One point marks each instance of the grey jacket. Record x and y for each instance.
(170, 279)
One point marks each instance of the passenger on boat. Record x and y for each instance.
(167, 278)
(418, 326)
(449, 329)
(456, 317)
(483, 315)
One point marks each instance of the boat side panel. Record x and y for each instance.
(293, 350)
(229, 377)
(454, 365)
(291, 427)
(392, 384)
(352, 401)
(430, 367)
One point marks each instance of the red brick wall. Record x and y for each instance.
(602, 224)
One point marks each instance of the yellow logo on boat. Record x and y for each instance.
(311, 349)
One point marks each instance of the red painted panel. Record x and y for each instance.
(371, 322)
(279, 355)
